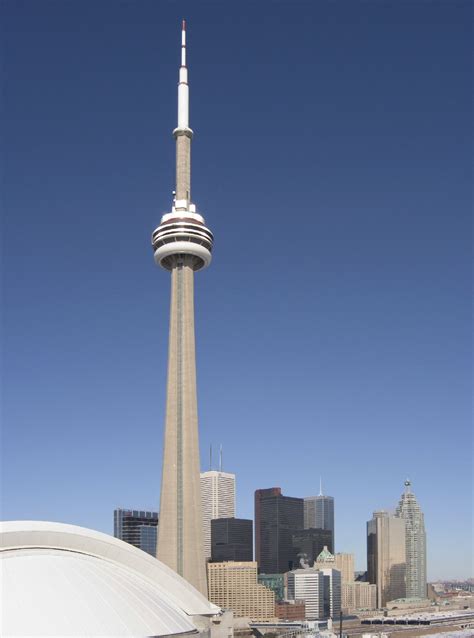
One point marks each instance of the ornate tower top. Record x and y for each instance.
(325, 556)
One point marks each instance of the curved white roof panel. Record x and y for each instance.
(63, 580)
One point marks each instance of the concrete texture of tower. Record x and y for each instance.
(386, 556)
(319, 513)
(276, 518)
(137, 527)
(218, 501)
(182, 244)
(415, 536)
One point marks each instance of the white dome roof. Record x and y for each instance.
(63, 580)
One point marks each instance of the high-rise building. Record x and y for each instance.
(137, 527)
(343, 562)
(231, 539)
(358, 595)
(182, 244)
(308, 585)
(308, 544)
(234, 586)
(218, 501)
(415, 535)
(332, 592)
(386, 556)
(276, 518)
(319, 513)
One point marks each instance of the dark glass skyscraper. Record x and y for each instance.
(276, 518)
(231, 539)
(137, 527)
(309, 543)
(319, 514)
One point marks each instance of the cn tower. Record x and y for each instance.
(182, 244)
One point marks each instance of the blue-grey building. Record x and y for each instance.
(137, 527)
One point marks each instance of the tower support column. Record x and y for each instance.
(180, 542)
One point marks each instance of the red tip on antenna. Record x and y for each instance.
(184, 25)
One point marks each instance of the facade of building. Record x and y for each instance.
(308, 585)
(319, 514)
(275, 582)
(231, 539)
(290, 610)
(182, 244)
(415, 536)
(137, 527)
(234, 586)
(358, 595)
(386, 556)
(277, 517)
(332, 592)
(343, 562)
(218, 501)
(308, 544)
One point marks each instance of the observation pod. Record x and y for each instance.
(182, 233)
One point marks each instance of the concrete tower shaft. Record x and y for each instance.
(182, 244)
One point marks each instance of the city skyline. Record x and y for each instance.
(357, 337)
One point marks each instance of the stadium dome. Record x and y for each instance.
(63, 580)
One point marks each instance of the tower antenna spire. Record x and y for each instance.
(183, 87)
(320, 486)
(220, 458)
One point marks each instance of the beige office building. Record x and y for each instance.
(386, 556)
(343, 562)
(358, 595)
(234, 586)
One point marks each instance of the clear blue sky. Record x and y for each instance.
(332, 161)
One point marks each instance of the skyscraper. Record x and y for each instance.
(319, 513)
(182, 244)
(308, 585)
(218, 501)
(343, 562)
(276, 518)
(137, 527)
(308, 544)
(386, 559)
(231, 539)
(332, 592)
(415, 536)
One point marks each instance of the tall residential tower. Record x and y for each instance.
(182, 244)
(415, 536)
